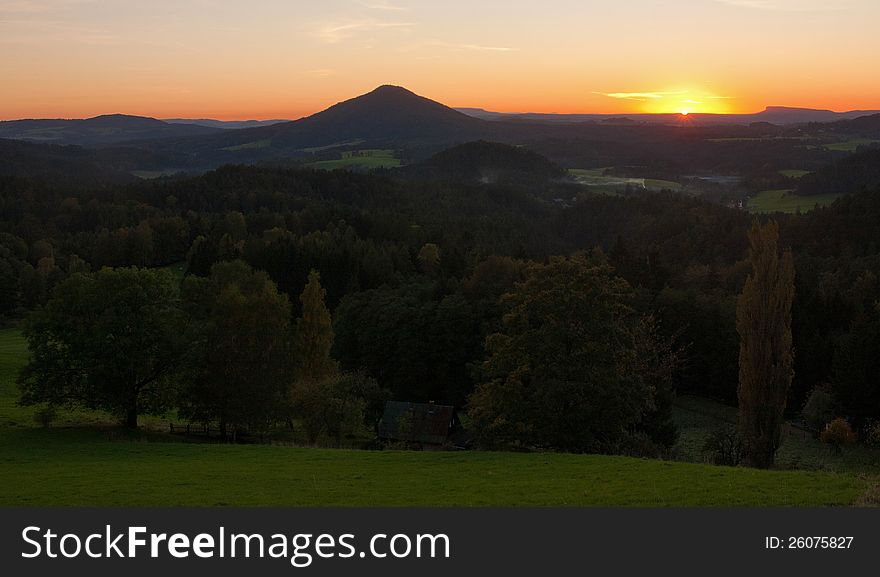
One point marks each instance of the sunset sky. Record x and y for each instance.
(237, 59)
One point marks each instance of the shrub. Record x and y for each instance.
(872, 434)
(818, 408)
(639, 444)
(838, 433)
(724, 446)
(45, 416)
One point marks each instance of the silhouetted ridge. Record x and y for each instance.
(388, 113)
(103, 130)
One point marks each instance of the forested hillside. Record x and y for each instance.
(415, 270)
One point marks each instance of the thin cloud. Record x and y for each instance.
(640, 96)
(385, 5)
(452, 47)
(333, 33)
(790, 5)
(38, 6)
(481, 48)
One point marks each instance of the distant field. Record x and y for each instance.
(658, 184)
(370, 158)
(256, 145)
(151, 174)
(41, 135)
(759, 138)
(850, 145)
(178, 270)
(785, 201)
(794, 173)
(593, 177)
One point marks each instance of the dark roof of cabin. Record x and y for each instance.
(417, 422)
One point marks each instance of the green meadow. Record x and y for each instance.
(78, 467)
(794, 173)
(758, 138)
(363, 159)
(256, 145)
(82, 459)
(151, 174)
(599, 182)
(770, 201)
(850, 145)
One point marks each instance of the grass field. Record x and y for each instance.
(151, 174)
(785, 201)
(759, 138)
(178, 270)
(256, 145)
(850, 145)
(84, 460)
(75, 467)
(594, 178)
(13, 352)
(365, 159)
(794, 173)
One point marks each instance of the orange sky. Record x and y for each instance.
(236, 59)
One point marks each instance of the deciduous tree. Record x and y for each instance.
(239, 342)
(108, 340)
(575, 366)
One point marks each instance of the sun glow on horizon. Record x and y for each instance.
(681, 101)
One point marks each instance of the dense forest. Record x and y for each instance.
(424, 277)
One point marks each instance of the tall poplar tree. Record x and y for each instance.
(314, 334)
(763, 321)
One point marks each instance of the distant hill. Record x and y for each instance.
(788, 115)
(98, 131)
(488, 162)
(862, 126)
(54, 163)
(225, 124)
(393, 118)
(781, 115)
(483, 114)
(383, 118)
(387, 113)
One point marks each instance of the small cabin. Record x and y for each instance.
(425, 423)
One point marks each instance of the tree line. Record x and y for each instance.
(414, 271)
(218, 349)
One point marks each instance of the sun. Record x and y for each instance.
(685, 112)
